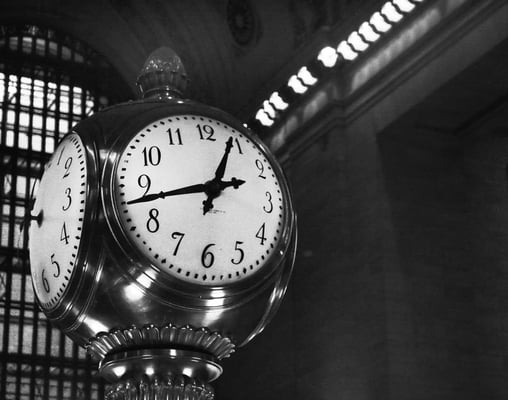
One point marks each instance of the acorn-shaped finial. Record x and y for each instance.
(163, 75)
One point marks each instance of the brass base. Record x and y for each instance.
(157, 374)
(167, 387)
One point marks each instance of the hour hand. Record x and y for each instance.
(215, 188)
(219, 173)
(199, 188)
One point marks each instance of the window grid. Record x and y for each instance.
(44, 91)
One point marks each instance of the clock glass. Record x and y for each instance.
(57, 221)
(200, 199)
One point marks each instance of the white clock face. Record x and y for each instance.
(58, 212)
(199, 199)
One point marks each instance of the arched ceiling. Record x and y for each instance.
(234, 51)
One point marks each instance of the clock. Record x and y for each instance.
(162, 236)
(201, 200)
(58, 215)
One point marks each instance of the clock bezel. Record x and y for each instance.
(140, 267)
(85, 267)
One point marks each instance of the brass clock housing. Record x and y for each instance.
(122, 302)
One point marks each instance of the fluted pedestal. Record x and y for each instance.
(168, 387)
(159, 374)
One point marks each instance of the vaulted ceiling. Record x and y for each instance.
(235, 52)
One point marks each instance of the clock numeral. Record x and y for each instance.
(64, 237)
(152, 225)
(56, 265)
(207, 257)
(151, 156)
(261, 168)
(206, 132)
(45, 282)
(240, 251)
(238, 146)
(179, 236)
(69, 199)
(260, 234)
(60, 156)
(67, 167)
(265, 209)
(178, 136)
(144, 182)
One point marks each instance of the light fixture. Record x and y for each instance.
(277, 101)
(296, 84)
(357, 42)
(306, 77)
(368, 32)
(347, 50)
(328, 56)
(391, 12)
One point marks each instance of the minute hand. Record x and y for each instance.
(199, 188)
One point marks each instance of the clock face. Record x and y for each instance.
(200, 199)
(58, 212)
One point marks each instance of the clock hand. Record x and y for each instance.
(38, 218)
(214, 189)
(219, 173)
(199, 188)
(236, 183)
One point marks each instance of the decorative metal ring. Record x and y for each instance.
(152, 336)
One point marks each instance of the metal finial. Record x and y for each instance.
(163, 75)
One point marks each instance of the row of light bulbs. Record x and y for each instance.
(391, 13)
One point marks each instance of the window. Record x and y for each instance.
(47, 84)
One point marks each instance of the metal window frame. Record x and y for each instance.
(61, 371)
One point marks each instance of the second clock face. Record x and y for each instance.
(200, 199)
(55, 232)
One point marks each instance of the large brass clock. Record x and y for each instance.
(162, 237)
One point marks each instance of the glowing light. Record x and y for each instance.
(96, 325)
(328, 56)
(357, 42)
(391, 13)
(269, 109)
(216, 294)
(187, 372)
(144, 280)
(345, 49)
(149, 371)
(133, 292)
(305, 75)
(277, 101)
(263, 117)
(379, 23)
(119, 370)
(295, 84)
(368, 32)
(404, 5)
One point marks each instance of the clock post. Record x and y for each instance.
(163, 238)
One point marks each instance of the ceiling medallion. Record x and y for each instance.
(241, 21)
